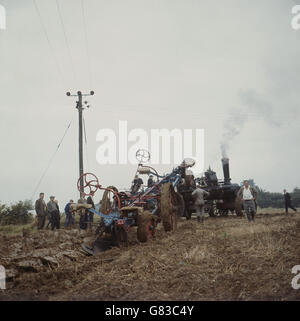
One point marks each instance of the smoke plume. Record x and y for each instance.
(251, 106)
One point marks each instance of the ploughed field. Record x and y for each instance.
(223, 259)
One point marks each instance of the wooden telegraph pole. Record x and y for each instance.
(80, 108)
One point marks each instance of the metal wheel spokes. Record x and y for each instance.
(91, 184)
(142, 155)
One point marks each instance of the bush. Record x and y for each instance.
(16, 214)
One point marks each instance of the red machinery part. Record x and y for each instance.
(90, 182)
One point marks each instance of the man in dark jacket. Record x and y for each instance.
(150, 182)
(83, 221)
(90, 215)
(136, 184)
(41, 211)
(53, 211)
(288, 202)
(57, 216)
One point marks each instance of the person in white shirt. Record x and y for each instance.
(249, 195)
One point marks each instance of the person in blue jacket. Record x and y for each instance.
(69, 215)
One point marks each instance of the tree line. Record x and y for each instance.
(275, 200)
(17, 213)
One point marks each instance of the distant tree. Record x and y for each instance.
(3, 210)
(17, 213)
(250, 180)
(295, 195)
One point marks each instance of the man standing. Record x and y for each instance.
(41, 211)
(150, 182)
(198, 194)
(89, 214)
(249, 195)
(136, 184)
(57, 216)
(288, 201)
(69, 215)
(83, 220)
(52, 210)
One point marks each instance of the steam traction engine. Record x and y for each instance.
(222, 197)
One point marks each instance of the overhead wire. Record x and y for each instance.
(86, 144)
(49, 42)
(66, 39)
(86, 43)
(51, 160)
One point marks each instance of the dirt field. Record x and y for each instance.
(224, 259)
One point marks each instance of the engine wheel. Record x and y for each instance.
(212, 209)
(224, 212)
(146, 226)
(238, 206)
(168, 206)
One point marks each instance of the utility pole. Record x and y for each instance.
(80, 108)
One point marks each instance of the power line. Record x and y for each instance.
(86, 43)
(66, 39)
(51, 160)
(48, 41)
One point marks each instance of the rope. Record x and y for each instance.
(51, 160)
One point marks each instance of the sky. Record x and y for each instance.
(231, 68)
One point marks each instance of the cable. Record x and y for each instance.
(86, 43)
(48, 40)
(51, 160)
(66, 39)
(86, 145)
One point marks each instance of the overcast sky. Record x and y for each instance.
(230, 67)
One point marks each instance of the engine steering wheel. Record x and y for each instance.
(142, 155)
(90, 184)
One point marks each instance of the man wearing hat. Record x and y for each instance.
(52, 209)
(41, 211)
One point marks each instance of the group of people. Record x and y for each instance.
(137, 183)
(248, 194)
(49, 210)
(52, 213)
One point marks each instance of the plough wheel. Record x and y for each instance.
(180, 204)
(146, 226)
(105, 203)
(168, 207)
(238, 206)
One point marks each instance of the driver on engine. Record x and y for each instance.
(136, 184)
